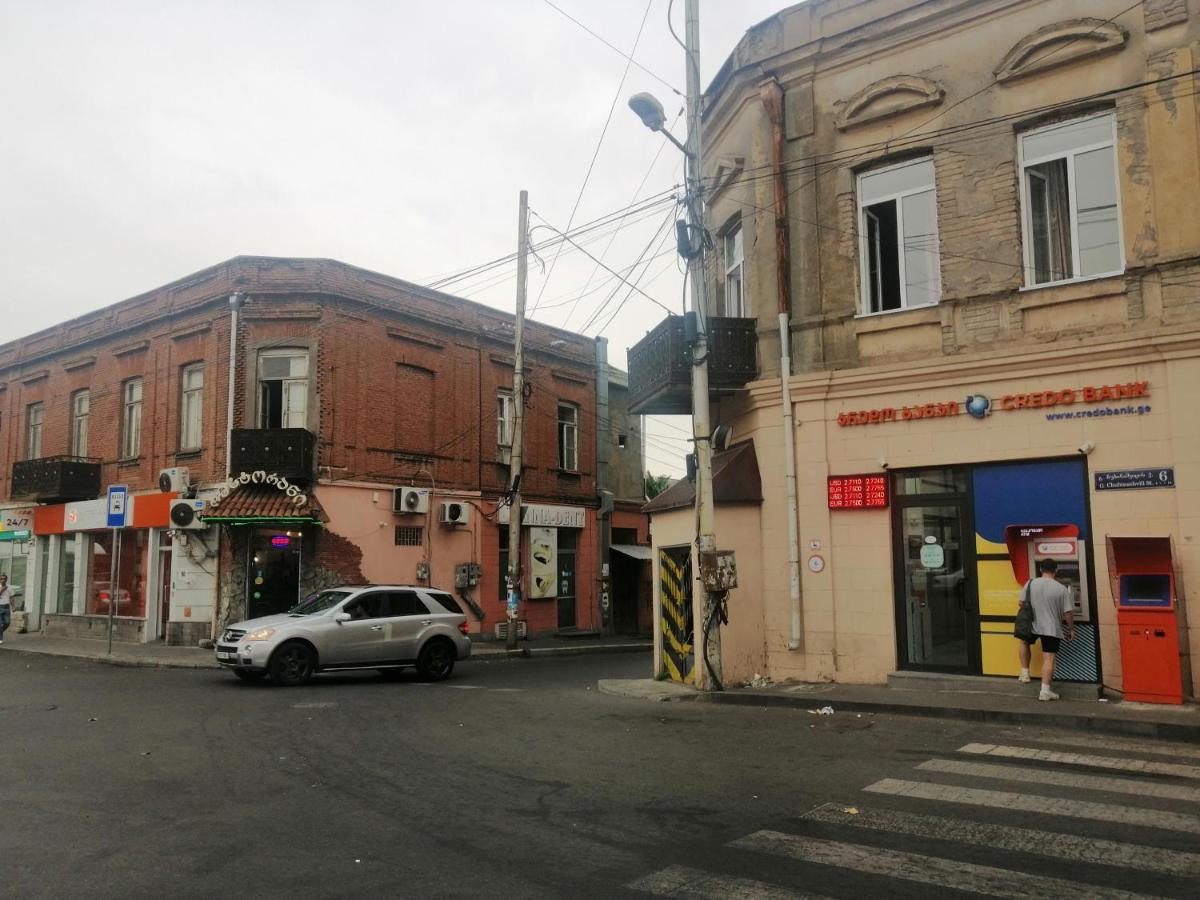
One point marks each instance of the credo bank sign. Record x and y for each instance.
(980, 406)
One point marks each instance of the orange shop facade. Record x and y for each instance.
(81, 570)
(926, 494)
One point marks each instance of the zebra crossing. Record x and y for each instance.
(1100, 822)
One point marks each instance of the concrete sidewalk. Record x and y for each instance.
(158, 655)
(1019, 706)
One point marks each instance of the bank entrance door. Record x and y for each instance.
(937, 616)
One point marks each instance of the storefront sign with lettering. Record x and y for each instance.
(979, 406)
(258, 477)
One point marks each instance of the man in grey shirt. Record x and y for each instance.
(1052, 604)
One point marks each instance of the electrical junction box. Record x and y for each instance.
(718, 571)
(466, 575)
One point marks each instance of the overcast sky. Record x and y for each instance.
(143, 141)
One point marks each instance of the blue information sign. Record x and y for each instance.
(1132, 479)
(118, 505)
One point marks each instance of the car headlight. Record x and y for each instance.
(261, 635)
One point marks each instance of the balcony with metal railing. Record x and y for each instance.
(660, 374)
(288, 452)
(56, 479)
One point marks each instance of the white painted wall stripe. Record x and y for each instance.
(681, 881)
(931, 870)
(1026, 775)
(1084, 759)
(1154, 748)
(1054, 806)
(1052, 844)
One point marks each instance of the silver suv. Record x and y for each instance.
(385, 627)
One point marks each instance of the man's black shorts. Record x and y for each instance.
(1049, 644)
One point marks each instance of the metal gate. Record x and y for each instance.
(675, 597)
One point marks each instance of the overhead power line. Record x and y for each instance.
(615, 49)
(595, 153)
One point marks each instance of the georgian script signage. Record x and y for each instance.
(979, 406)
(1134, 479)
(258, 477)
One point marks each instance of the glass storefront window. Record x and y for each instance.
(930, 481)
(130, 589)
(14, 561)
(68, 569)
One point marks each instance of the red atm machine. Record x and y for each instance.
(1144, 590)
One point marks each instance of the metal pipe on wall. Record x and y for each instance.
(770, 92)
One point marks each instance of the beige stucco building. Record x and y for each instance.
(985, 217)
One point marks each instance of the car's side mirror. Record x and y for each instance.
(342, 617)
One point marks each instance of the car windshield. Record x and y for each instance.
(318, 603)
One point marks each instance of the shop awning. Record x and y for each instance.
(635, 551)
(262, 504)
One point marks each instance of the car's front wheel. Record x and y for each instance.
(250, 674)
(436, 660)
(292, 664)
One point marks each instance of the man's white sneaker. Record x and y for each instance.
(1047, 695)
(1023, 678)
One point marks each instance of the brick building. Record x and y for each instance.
(971, 223)
(370, 423)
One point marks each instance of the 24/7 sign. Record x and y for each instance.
(1135, 479)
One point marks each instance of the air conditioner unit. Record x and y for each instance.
(454, 513)
(410, 501)
(522, 630)
(175, 479)
(185, 514)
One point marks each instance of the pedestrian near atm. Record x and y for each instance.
(6, 599)
(1051, 602)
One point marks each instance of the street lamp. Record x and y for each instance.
(650, 111)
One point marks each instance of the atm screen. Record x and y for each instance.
(1146, 590)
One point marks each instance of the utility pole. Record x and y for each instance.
(518, 436)
(709, 639)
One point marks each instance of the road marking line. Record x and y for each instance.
(1025, 840)
(931, 870)
(1084, 759)
(1111, 784)
(1046, 806)
(466, 687)
(507, 690)
(681, 881)
(1159, 748)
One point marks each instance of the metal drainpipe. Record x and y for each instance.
(771, 94)
(236, 300)
(235, 305)
(604, 513)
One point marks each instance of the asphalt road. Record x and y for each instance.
(518, 779)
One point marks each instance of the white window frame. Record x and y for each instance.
(1027, 225)
(863, 249)
(35, 416)
(131, 417)
(737, 267)
(506, 415)
(289, 386)
(79, 421)
(568, 451)
(191, 408)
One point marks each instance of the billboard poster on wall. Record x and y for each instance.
(543, 563)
